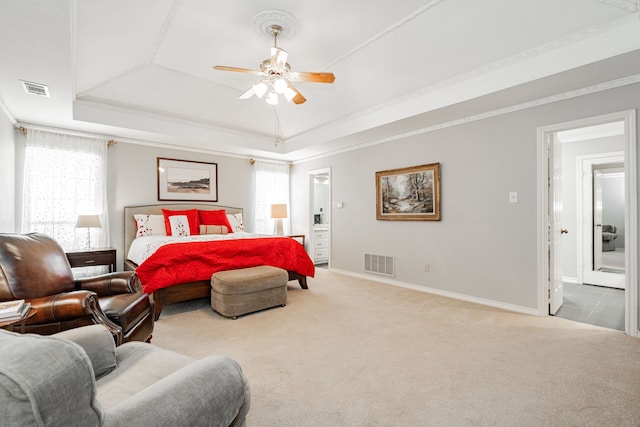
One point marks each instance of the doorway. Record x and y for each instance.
(556, 229)
(601, 202)
(320, 221)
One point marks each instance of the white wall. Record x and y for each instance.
(133, 181)
(7, 175)
(484, 247)
(570, 152)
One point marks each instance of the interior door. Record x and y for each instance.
(592, 217)
(555, 230)
(597, 220)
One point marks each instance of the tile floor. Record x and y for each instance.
(596, 305)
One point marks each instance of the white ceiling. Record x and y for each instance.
(142, 70)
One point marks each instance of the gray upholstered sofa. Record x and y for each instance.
(608, 237)
(79, 378)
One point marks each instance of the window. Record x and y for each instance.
(65, 176)
(272, 187)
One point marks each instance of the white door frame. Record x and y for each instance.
(631, 217)
(585, 219)
(312, 174)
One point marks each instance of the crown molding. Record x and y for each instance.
(629, 5)
(7, 113)
(612, 84)
(166, 26)
(386, 31)
(478, 72)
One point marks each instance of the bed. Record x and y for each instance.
(171, 280)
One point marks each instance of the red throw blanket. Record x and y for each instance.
(178, 263)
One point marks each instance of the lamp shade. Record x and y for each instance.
(279, 211)
(88, 221)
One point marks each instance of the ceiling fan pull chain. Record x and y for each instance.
(278, 129)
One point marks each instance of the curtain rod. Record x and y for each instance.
(24, 129)
(253, 161)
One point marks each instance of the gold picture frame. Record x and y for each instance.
(409, 194)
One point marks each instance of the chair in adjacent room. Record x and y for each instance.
(608, 237)
(35, 268)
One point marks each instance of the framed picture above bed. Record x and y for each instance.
(187, 180)
(409, 194)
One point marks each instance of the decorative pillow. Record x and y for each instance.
(179, 225)
(150, 225)
(218, 217)
(193, 221)
(213, 229)
(236, 222)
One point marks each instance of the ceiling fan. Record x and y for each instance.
(278, 76)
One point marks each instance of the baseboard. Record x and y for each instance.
(569, 279)
(440, 292)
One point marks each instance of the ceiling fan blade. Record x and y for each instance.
(238, 70)
(297, 98)
(248, 94)
(278, 57)
(312, 77)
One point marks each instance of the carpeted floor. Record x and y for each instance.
(353, 352)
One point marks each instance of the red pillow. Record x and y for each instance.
(192, 217)
(215, 218)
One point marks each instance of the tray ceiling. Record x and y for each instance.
(142, 70)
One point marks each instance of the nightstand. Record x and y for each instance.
(299, 238)
(93, 257)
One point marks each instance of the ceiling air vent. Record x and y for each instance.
(36, 88)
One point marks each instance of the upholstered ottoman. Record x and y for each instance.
(245, 290)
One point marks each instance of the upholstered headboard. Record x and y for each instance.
(130, 222)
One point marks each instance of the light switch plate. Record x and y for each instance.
(513, 197)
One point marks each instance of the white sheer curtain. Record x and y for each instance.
(271, 187)
(65, 176)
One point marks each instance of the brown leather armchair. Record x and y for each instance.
(34, 267)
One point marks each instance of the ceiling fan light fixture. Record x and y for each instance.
(280, 85)
(275, 71)
(272, 98)
(260, 89)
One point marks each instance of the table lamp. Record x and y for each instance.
(88, 222)
(278, 211)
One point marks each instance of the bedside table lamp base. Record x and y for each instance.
(278, 211)
(88, 222)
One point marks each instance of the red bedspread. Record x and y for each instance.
(189, 262)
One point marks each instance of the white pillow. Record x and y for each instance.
(179, 225)
(236, 222)
(150, 225)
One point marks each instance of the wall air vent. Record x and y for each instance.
(35, 88)
(379, 264)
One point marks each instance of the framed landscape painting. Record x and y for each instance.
(187, 180)
(409, 194)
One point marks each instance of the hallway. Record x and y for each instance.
(595, 305)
